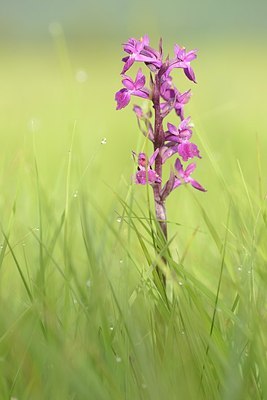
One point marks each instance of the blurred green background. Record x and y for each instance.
(60, 65)
(64, 147)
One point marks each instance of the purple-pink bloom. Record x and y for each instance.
(174, 99)
(184, 176)
(168, 151)
(178, 138)
(140, 50)
(132, 88)
(185, 149)
(188, 150)
(150, 176)
(181, 133)
(181, 100)
(183, 60)
(145, 173)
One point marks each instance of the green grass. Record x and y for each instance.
(82, 315)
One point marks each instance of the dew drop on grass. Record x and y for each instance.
(75, 194)
(88, 283)
(81, 76)
(55, 29)
(144, 385)
(239, 268)
(111, 328)
(104, 140)
(119, 220)
(34, 124)
(1, 246)
(121, 261)
(118, 359)
(180, 283)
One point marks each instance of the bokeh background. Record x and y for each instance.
(76, 289)
(60, 65)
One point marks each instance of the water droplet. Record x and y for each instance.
(75, 301)
(88, 283)
(119, 220)
(55, 28)
(104, 141)
(118, 359)
(37, 229)
(23, 244)
(249, 272)
(144, 385)
(34, 124)
(121, 261)
(75, 194)
(180, 283)
(239, 268)
(81, 76)
(182, 332)
(111, 328)
(1, 246)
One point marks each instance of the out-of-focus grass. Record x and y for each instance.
(80, 315)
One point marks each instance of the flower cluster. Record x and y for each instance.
(168, 139)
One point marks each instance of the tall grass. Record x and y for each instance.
(82, 314)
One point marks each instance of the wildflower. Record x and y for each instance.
(140, 50)
(145, 173)
(183, 132)
(135, 88)
(178, 139)
(183, 60)
(173, 98)
(165, 98)
(184, 176)
(188, 150)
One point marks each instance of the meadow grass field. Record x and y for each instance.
(82, 316)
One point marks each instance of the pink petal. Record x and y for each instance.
(145, 40)
(177, 183)
(153, 157)
(128, 83)
(167, 153)
(122, 98)
(144, 93)
(197, 185)
(190, 74)
(172, 129)
(189, 169)
(184, 123)
(129, 62)
(140, 82)
(178, 166)
(191, 55)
